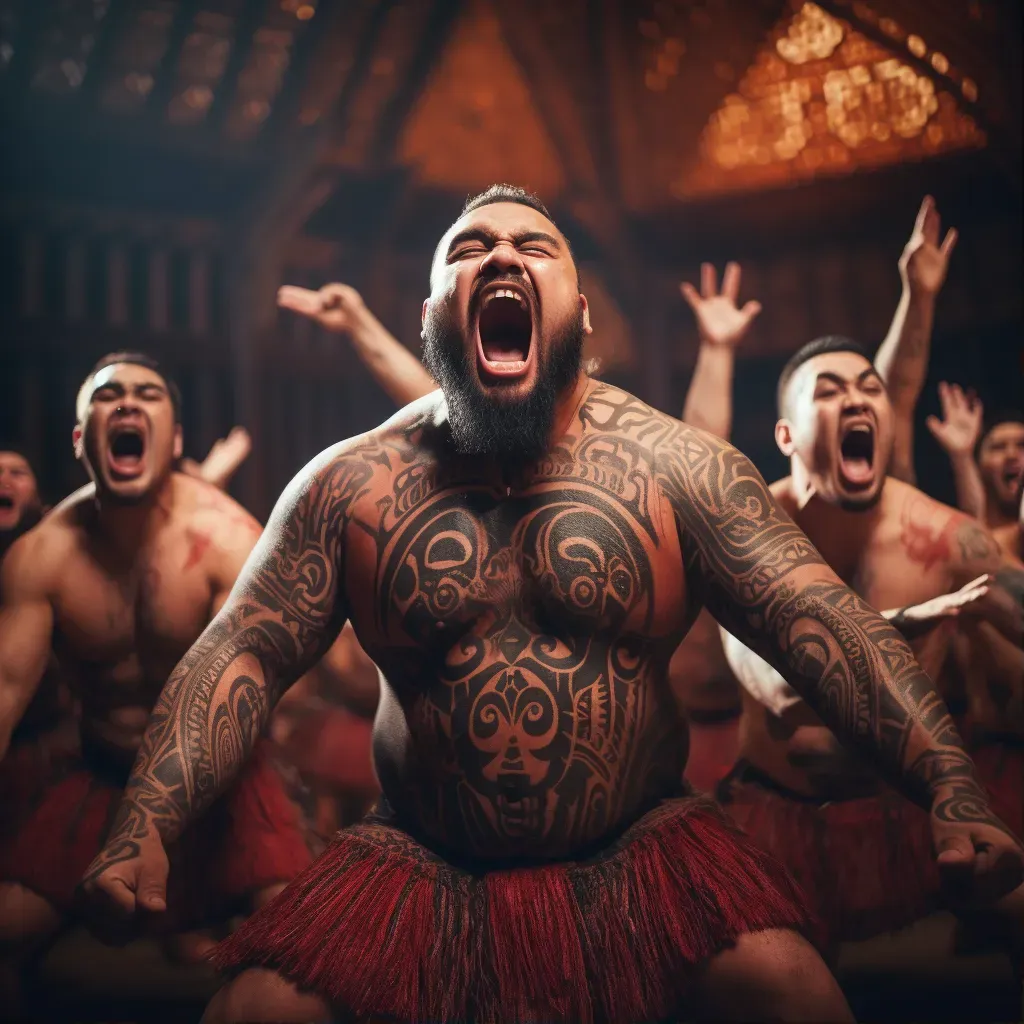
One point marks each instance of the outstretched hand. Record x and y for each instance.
(960, 427)
(719, 320)
(947, 606)
(338, 307)
(924, 262)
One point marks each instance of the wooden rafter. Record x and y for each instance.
(164, 77)
(442, 17)
(241, 48)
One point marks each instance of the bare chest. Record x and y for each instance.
(128, 626)
(574, 553)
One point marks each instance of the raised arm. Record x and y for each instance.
(765, 582)
(958, 432)
(26, 629)
(721, 326)
(283, 613)
(902, 359)
(340, 308)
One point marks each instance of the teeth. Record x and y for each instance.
(504, 293)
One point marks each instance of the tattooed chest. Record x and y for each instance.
(564, 562)
(525, 638)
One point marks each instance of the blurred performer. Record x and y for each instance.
(521, 554)
(46, 734)
(860, 850)
(987, 458)
(120, 579)
(20, 505)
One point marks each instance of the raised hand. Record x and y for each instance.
(960, 427)
(924, 261)
(338, 307)
(719, 320)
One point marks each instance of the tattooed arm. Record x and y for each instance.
(284, 611)
(974, 552)
(765, 582)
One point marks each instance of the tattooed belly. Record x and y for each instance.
(523, 757)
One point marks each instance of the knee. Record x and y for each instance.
(259, 995)
(26, 919)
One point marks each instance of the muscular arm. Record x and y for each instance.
(282, 614)
(902, 362)
(709, 398)
(26, 630)
(974, 551)
(393, 366)
(766, 583)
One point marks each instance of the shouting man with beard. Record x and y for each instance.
(521, 553)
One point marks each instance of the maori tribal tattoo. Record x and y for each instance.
(525, 626)
(764, 581)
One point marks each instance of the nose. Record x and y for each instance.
(504, 258)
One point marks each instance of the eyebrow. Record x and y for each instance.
(489, 238)
(834, 378)
(117, 386)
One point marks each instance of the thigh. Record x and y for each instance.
(26, 918)
(260, 996)
(772, 975)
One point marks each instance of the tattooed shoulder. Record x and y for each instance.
(974, 544)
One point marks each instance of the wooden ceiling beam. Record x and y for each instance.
(164, 77)
(241, 47)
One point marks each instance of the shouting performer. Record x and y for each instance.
(521, 554)
(860, 850)
(120, 579)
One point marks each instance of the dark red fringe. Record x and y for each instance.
(1000, 765)
(866, 865)
(381, 926)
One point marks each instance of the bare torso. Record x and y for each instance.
(524, 623)
(901, 557)
(125, 615)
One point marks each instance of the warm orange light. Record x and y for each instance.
(305, 12)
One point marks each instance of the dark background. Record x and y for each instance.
(167, 165)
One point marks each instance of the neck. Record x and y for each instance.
(826, 519)
(124, 527)
(996, 514)
(566, 408)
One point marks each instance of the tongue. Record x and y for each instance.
(857, 469)
(503, 352)
(125, 463)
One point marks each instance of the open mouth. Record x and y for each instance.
(505, 329)
(6, 503)
(1012, 475)
(127, 450)
(857, 455)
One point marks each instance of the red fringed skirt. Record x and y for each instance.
(866, 865)
(252, 838)
(1000, 764)
(381, 926)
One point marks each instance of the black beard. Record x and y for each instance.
(515, 430)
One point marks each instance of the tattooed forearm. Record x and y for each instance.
(765, 582)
